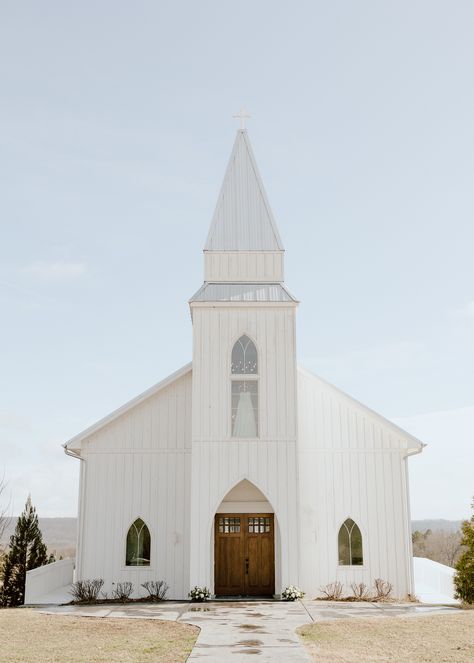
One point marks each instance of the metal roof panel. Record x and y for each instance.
(242, 292)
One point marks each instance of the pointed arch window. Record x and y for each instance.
(244, 392)
(350, 544)
(244, 357)
(138, 544)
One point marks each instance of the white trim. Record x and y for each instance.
(101, 452)
(245, 507)
(243, 304)
(226, 440)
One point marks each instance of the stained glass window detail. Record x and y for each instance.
(244, 357)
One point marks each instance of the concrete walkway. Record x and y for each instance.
(234, 630)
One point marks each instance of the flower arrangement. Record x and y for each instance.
(292, 593)
(199, 594)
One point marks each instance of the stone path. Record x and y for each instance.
(233, 630)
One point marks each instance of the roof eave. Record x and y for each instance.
(75, 442)
(401, 431)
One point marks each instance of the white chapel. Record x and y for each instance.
(242, 471)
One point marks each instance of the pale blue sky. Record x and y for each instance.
(116, 128)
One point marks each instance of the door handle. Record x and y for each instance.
(247, 566)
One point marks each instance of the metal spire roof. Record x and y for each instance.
(243, 220)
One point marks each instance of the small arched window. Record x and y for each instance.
(244, 362)
(138, 544)
(350, 544)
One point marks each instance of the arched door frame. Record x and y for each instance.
(277, 532)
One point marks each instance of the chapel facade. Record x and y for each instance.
(244, 472)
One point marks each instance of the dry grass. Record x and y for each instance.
(30, 637)
(431, 639)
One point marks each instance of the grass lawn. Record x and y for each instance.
(30, 637)
(431, 639)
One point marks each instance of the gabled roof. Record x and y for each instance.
(74, 442)
(243, 292)
(243, 220)
(386, 422)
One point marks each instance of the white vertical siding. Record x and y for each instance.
(215, 332)
(243, 266)
(139, 466)
(219, 461)
(170, 459)
(351, 464)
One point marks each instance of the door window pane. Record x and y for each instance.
(258, 524)
(229, 524)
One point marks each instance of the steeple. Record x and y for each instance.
(243, 220)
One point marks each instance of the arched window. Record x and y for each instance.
(138, 544)
(244, 361)
(244, 357)
(350, 544)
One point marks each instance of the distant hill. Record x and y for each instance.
(59, 534)
(440, 524)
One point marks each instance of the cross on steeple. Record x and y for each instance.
(242, 115)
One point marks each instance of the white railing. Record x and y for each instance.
(44, 581)
(433, 579)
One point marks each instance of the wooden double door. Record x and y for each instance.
(244, 554)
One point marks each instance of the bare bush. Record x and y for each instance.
(438, 545)
(332, 591)
(410, 598)
(156, 589)
(361, 591)
(86, 591)
(383, 590)
(121, 591)
(4, 517)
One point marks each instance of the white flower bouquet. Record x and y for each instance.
(292, 593)
(199, 594)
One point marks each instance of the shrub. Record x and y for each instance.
(411, 598)
(86, 591)
(121, 591)
(464, 577)
(26, 551)
(360, 591)
(383, 589)
(332, 591)
(292, 593)
(156, 589)
(199, 594)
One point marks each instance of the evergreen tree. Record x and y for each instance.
(26, 551)
(464, 578)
